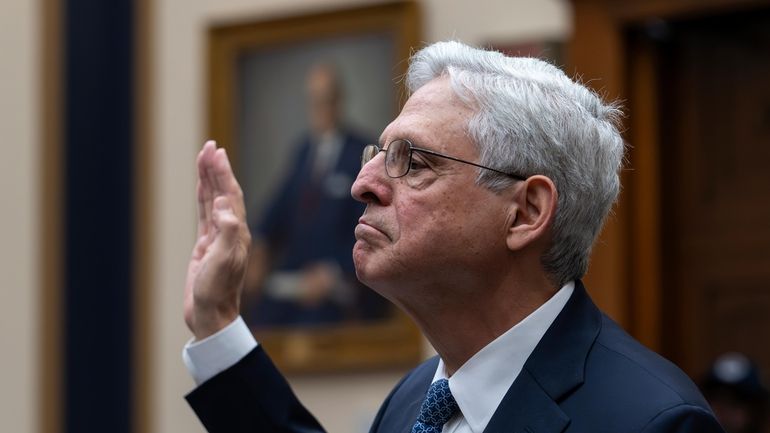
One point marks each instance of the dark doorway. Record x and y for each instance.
(714, 110)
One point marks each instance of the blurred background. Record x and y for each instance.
(104, 105)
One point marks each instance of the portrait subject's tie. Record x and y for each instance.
(439, 406)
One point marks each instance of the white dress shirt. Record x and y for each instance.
(481, 383)
(478, 386)
(216, 353)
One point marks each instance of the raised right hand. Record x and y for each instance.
(218, 264)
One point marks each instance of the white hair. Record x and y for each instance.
(530, 118)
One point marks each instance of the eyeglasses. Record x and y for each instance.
(398, 158)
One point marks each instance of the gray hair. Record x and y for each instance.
(532, 119)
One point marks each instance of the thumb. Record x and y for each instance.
(225, 220)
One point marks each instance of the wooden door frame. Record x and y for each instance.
(625, 276)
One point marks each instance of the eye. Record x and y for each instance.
(417, 165)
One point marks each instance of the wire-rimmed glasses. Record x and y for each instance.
(398, 158)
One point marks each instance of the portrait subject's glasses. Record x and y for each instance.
(398, 158)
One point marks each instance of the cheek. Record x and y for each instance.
(440, 230)
(426, 225)
(414, 219)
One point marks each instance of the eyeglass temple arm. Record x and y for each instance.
(515, 176)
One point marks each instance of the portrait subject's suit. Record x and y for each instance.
(585, 375)
(306, 201)
(311, 220)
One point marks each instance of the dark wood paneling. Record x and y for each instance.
(716, 185)
(616, 48)
(50, 346)
(143, 257)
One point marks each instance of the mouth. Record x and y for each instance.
(365, 230)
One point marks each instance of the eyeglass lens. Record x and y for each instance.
(397, 157)
(370, 151)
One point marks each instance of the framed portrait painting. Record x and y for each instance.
(294, 100)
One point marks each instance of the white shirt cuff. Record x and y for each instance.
(206, 358)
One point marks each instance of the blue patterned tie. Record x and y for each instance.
(438, 407)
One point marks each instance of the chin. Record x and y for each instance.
(362, 273)
(373, 270)
(366, 275)
(362, 259)
(379, 282)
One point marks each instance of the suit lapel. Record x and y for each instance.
(553, 370)
(404, 404)
(526, 408)
(403, 415)
(410, 412)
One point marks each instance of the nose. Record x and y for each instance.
(372, 185)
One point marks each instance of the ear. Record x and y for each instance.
(532, 212)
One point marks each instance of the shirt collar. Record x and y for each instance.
(480, 384)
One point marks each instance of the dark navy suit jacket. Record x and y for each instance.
(585, 375)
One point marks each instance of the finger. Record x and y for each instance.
(228, 184)
(202, 214)
(205, 204)
(214, 172)
(206, 153)
(205, 192)
(211, 176)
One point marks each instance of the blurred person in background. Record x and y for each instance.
(734, 389)
(301, 271)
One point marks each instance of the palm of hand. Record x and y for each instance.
(218, 263)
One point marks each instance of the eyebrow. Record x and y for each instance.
(416, 141)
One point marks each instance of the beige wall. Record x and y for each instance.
(18, 218)
(343, 403)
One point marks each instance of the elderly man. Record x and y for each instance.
(483, 199)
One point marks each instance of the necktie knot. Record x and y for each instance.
(439, 406)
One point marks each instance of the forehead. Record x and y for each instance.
(434, 117)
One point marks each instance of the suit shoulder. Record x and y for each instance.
(684, 418)
(622, 360)
(632, 389)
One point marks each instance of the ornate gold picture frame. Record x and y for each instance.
(257, 109)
